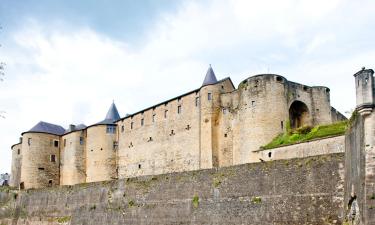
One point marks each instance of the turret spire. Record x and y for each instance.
(210, 77)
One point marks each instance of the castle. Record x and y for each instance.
(215, 125)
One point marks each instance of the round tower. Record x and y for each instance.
(40, 156)
(101, 148)
(73, 161)
(16, 165)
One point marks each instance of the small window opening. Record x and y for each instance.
(29, 141)
(179, 100)
(101, 149)
(92, 150)
(40, 168)
(18, 151)
(153, 118)
(64, 142)
(165, 113)
(269, 154)
(131, 144)
(188, 127)
(197, 101)
(81, 140)
(50, 183)
(149, 139)
(225, 135)
(222, 87)
(279, 79)
(139, 166)
(56, 143)
(172, 133)
(122, 128)
(131, 125)
(179, 109)
(305, 88)
(209, 96)
(53, 158)
(142, 122)
(317, 110)
(22, 185)
(252, 103)
(327, 90)
(111, 129)
(115, 145)
(282, 125)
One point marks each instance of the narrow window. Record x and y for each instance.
(179, 109)
(149, 139)
(172, 133)
(153, 118)
(252, 103)
(179, 100)
(50, 183)
(29, 141)
(225, 135)
(122, 128)
(18, 151)
(40, 168)
(131, 125)
(269, 154)
(197, 101)
(165, 113)
(209, 96)
(282, 125)
(56, 143)
(53, 158)
(115, 145)
(188, 127)
(139, 166)
(22, 185)
(64, 142)
(222, 87)
(81, 140)
(142, 122)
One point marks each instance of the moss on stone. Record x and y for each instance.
(256, 200)
(64, 219)
(195, 201)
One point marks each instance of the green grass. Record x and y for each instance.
(195, 201)
(306, 133)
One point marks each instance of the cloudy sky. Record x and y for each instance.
(67, 60)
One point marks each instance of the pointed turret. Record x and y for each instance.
(210, 77)
(112, 115)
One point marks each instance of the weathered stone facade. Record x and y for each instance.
(215, 125)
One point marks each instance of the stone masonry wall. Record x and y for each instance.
(298, 191)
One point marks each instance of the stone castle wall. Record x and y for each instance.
(38, 167)
(16, 165)
(213, 126)
(73, 158)
(297, 191)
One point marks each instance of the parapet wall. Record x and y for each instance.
(297, 191)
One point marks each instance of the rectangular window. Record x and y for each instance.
(131, 125)
(142, 122)
(153, 118)
(209, 96)
(64, 142)
(122, 128)
(56, 143)
(282, 125)
(252, 103)
(179, 109)
(165, 113)
(197, 101)
(18, 151)
(111, 129)
(53, 158)
(29, 141)
(81, 140)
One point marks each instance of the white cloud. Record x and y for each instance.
(71, 74)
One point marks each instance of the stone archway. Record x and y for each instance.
(299, 114)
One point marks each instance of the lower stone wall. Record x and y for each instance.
(297, 191)
(322, 146)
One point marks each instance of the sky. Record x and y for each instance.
(66, 61)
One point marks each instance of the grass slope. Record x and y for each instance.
(307, 133)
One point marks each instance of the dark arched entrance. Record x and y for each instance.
(299, 114)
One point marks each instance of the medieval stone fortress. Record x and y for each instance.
(215, 155)
(215, 125)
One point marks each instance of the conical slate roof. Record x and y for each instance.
(112, 115)
(44, 127)
(210, 77)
